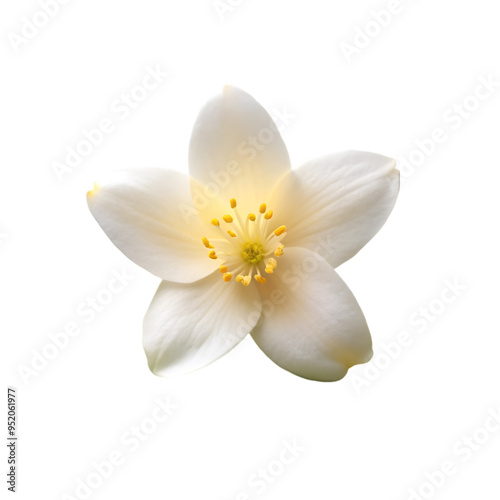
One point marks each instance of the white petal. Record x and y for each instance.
(189, 326)
(336, 204)
(236, 149)
(148, 214)
(311, 324)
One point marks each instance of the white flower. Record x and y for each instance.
(247, 245)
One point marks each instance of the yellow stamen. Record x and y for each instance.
(246, 280)
(262, 208)
(231, 234)
(232, 201)
(239, 278)
(227, 277)
(215, 222)
(260, 279)
(227, 218)
(279, 251)
(268, 215)
(251, 217)
(272, 263)
(212, 254)
(280, 230)
(223, 269)
(206, 242)
(271, 266)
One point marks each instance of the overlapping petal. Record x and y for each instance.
(311, 324)
(189, 326)
(334, 205)
(149, 215)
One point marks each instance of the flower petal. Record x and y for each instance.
(148, 214)
(236, 148)
(334, 205)
(311, 324)
(189, 326)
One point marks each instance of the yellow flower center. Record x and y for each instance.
(253, 252)
(246, 247)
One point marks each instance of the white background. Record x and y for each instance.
(374, 437)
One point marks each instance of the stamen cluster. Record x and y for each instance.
(246, 246)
